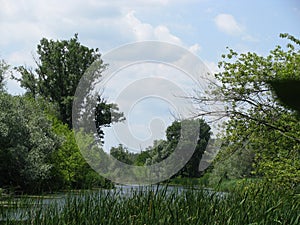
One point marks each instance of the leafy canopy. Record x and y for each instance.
(60, 66)
(163, 149)
(26, 143)
(258, 119)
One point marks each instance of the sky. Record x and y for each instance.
(203, 27)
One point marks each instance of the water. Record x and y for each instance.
(25, 208)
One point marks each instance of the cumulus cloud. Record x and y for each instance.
(195, 48)
(141, 31)
(171, 74)
(145, 31)
(106, 25)
(100, 24)
(227, 23)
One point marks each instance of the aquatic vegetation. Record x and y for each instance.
(157, 205)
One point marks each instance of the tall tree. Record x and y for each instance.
(60, 66)
(106, 114)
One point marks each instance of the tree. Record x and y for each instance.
(141, 158)
(122, 154)
(105, 115)
(238, 166)
(70, 169)
(162, 149)
(60, 66)
(26, 142)
(257, 118)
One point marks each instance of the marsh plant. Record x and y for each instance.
(248, 205)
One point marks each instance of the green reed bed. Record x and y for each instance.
(159, 206)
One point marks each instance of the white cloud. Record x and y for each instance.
(162, 33)
(141, 31)
(145, 31)
(227, 23)
(100, 24)
(105, 24)
(195, 48)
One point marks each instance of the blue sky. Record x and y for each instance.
(205, 27)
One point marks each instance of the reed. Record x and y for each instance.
(248, 205)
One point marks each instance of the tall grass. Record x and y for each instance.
(160, 206)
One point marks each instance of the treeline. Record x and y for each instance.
(38, 151)
(162, 149)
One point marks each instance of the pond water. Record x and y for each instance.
(9, 210)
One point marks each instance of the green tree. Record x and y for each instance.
(70, 169)
(122, 154)
(105, 115)
(60, 66)
(162, 149)
(142, 157)
(257, 118)
(26, 142)
(238, 166)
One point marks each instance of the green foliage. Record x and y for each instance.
(287, 82)
(162, 149)
(259, 122)
(37, 151)
(237, 165)
(69, 167)
(26, 142)
(141, 158)
(105, 115)
(67, 159)
(34, 154)
(122, 154)
(60, 67)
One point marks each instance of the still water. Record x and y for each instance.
(23, 208)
